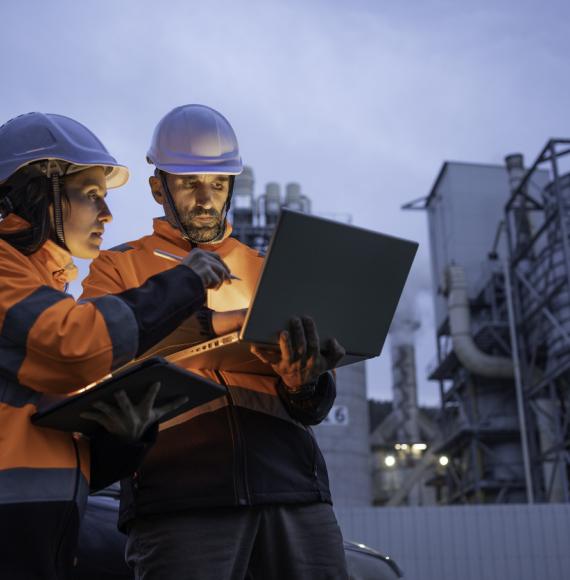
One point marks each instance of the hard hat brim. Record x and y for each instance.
(118, 176)
(220, 169)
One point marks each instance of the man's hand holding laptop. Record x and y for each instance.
(299, 360)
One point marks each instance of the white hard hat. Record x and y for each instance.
(195, 139)
(35, 137)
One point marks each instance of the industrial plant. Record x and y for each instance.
(500, 264)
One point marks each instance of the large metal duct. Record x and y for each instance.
(468, 353)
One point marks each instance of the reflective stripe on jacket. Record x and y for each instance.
(247, 448)
(50, 344)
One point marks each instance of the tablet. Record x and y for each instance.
(135, 380)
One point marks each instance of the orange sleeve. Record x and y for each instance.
(51, 343)
(106, 278)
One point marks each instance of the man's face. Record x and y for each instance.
(199, 199)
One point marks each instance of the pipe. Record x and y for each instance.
(464, 346)
(481, 363)
(518, 386)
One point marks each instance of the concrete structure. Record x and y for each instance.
(344, 439)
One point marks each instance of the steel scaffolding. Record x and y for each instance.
(478, 419)
(537, 231)
(507, 439)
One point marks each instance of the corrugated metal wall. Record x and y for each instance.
(498, 542)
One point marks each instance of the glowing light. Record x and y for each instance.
(390, 460)
(443, 460)
(419, 447)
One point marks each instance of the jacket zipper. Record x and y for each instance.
(315, 469)
(239, 475)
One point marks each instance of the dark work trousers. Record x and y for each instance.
(272, 542)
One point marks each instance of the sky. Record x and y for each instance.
(360, 101)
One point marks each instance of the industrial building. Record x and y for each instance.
(482, 487)
(500, 257)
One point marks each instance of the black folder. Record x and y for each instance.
(135, 380)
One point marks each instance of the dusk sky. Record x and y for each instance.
(359, 101)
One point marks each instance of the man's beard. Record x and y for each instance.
(202, 233)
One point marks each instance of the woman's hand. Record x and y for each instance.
(129, 421)
(211, 269)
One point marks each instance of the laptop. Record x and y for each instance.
(348, 279)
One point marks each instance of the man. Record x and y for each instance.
(239, 486)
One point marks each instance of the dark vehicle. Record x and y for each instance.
(364, 563)
(102, 547)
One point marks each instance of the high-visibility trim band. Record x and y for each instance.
(122, 326)
(246, 398)
(26, 485)
(18, 321)
(16, 395)
(210, 407)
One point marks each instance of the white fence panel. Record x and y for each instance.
(492, 542)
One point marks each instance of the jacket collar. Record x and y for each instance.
(58, 262)
(51, 257)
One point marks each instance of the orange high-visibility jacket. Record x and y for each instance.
(252, 446)
(51, 344)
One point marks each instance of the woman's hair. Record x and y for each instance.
(28, 194)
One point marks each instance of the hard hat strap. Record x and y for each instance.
(57, 209)
(53, 169)
(226, 208)
(173, 210)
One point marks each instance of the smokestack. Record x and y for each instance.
(516, 171)
(403, 356)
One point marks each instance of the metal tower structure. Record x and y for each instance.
(537, 227)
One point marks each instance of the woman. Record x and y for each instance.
(54, 175)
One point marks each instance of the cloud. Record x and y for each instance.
(359, 101)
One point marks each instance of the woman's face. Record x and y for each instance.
(85, 217)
